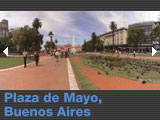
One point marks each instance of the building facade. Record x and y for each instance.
(4, 28)
(78, 48)
(68, 47)
(120, 39)
(148, 27)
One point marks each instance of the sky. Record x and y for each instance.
(82, 23)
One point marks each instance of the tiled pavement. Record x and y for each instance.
(49, 75)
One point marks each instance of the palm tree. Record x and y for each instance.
(37, 24)
(56, 42)
(113, 27)
(51, 36)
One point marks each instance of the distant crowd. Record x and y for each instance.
(60, 54)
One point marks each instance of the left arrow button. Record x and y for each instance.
(6, 51)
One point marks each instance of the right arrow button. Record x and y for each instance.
(154, 51)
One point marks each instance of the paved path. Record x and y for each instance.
(49, 75)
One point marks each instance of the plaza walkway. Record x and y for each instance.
(49, 75)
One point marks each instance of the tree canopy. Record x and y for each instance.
(48, 45)
(37, 24)
(136, 36)
(5, 42)
(27, 38)
(155, 34)
(95, 44)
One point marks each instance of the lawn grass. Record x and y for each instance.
(8, 62)
(84, 83)
(133, 68)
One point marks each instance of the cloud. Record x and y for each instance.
(82, 23)
(124, 18)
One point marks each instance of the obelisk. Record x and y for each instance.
(73, 44)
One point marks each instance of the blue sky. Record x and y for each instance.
(82, 23)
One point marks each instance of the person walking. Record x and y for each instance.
(134, 53)
(57, 55)
(25, 53)
(36, 57)
(66, 54)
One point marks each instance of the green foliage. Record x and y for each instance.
(126, 68)
(95, 44)
(136, 36)
(37, 24)
(113, 26)
(24, 37)
(155, 34)
(50, 34)
(29, 38)
(5, 42)
(110, 58)
(48, 45)
(39, 37)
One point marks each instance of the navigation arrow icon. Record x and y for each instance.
(153, 51)
(6, 51)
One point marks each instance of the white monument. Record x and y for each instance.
(73, 44)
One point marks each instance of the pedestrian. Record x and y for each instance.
(134, 53)
(25, 53)
(66, 54)
(36, 58)
(57, 55)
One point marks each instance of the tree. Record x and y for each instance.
(136, 36)
(25, 38)
(113, 27)
(5, 42)
(95, 44)
(93, 41)
(88, 47)
(48, 44)
(37, 24)
(38, 42)
(56, 42)
(39, 37)
(99, 45)
(51, 42)
(84, 46)
(155, 34)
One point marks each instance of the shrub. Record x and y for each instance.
(109, 58)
